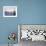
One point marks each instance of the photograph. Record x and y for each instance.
(9, 11)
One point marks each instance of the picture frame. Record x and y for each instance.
(9, 11)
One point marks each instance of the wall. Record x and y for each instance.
(29, 12)
(7, 25)
(33, 11)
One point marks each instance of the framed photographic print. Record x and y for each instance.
(9, 11)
